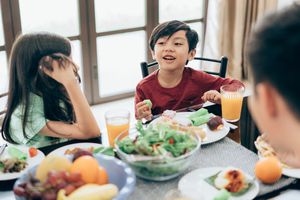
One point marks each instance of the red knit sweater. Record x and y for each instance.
(187, 93)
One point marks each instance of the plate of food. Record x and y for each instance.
(16, 159)
(209, 127)
(266, 150)
(86, 147)
(218, 183)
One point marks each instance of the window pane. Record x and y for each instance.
(3, 78)
(198, 27)
(77, 58)
(56, 16)
(1, 29)
(119, 58)
(119, 14)
(180, 9)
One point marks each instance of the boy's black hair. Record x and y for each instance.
(274, 54)
(171, 27)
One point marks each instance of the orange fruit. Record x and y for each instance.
(268, 170)
(102, 176)
(88, 167)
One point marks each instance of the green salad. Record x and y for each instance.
(162, 146)
(158, 140)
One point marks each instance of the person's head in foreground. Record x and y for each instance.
(273, 54)
(172, 44)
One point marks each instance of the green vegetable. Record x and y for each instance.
(148, 102)
(198, 113)
(109, 151)
(16, 153)
(197, 121)
(222, 195)
(1, 166)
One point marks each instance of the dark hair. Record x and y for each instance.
(26, 77)
(171, 27)
(274, 56)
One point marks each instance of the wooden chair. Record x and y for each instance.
(222, 66)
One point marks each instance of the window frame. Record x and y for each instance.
(88, 36)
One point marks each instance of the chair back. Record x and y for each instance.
(147, 68)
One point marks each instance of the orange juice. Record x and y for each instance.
(231, 102)
(115, 126)
(231, 107)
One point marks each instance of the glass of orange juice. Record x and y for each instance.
(117, 121)
(231, 102)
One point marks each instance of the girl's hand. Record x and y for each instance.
(63, 70)
(143, 111)
(213, 96)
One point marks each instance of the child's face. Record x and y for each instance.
(172, 53)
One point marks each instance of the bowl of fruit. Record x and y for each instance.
(83, 176)
(157, 153)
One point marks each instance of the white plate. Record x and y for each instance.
(291, 172)
(211, 136)
(84, 145)
(30, 162)
(194, 186)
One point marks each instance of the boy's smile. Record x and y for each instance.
(172, 52)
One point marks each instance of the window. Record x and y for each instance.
(109, 38)
(3, 67)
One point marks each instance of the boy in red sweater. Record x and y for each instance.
(175, 86)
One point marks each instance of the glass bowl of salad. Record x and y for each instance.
(157, 153)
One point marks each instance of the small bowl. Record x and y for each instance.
(118, 172)
(156, 168)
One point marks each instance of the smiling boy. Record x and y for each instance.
(175, 86)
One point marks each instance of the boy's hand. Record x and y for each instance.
(213, 96)
(143, 111)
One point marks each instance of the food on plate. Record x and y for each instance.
(175, 125)
(266, 150)
(16, 153)
(11, 165)
(223, 194)
(148, 102)
(198, 113)
(197, 121)
(15, 161)
(90, 192)
(169, 114)
(268, 170)
(215, 123)
(52, 162)
(200, 117)
(68, 181)
(232, 179)
(77, 151)
(81, 152)
(32, 151)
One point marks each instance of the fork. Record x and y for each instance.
(2, 148)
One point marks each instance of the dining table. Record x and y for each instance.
(229, 151)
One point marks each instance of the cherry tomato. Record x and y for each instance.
(33, 151)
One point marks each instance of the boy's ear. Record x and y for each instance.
(153, 55)
(192, 54)
(268, 98)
